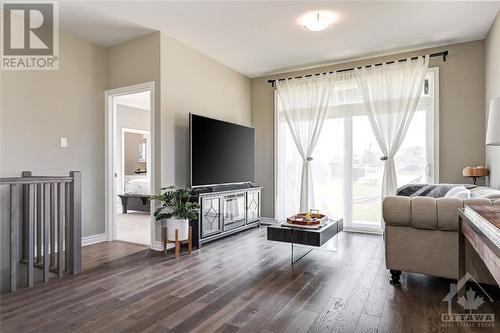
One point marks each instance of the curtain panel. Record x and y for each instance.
(305, 103)
(390, 95)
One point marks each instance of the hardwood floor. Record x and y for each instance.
(98, 254)
(243, 283)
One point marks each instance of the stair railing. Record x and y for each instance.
(45, 226)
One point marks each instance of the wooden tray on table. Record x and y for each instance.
(300, 219)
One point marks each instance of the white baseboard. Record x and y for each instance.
(157, 246)
(94, 239)
(364, 231)
(267, 220)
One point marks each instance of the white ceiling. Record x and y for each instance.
(262, 37)
(138, 100)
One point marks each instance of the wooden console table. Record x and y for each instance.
(480, 226)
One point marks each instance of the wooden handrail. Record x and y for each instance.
(35, 180)
(47, 212)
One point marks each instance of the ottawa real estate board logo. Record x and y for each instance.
(30, 36)
(471, 299)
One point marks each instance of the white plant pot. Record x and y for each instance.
(176, 224)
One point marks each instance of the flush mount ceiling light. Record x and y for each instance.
(317, 20)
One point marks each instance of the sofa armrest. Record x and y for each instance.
(396, 210)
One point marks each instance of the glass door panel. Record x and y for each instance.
(253, 206)
(210, 216)
(366, 177)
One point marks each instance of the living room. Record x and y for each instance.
(331, 164)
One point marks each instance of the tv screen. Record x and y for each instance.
(220, 152)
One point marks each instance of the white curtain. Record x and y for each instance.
(390, 95)
(305, 103)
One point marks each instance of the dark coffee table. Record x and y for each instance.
(302, 237)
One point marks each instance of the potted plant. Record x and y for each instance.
(175, 210)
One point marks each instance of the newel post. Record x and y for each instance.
(75, 223)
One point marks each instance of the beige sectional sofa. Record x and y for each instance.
(421, 236)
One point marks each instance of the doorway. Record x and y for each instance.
(129, 163)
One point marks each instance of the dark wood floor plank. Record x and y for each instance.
(242, 283)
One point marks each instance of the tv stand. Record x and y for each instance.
(225, 210)
(221, 188)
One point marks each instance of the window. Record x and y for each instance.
(347, 170)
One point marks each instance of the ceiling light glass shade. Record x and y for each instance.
(493, 129)
(317, 21)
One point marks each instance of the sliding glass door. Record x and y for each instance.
(347, 170)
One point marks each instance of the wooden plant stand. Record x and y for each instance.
(177, 242)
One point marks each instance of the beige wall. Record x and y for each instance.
(195, 83)
(134, 62)
(461, 120)
(492, 69)
(185, 81)
(37, 108)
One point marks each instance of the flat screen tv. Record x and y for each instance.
(221, 153)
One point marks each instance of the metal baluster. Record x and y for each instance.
(66, 225)
(30, 230)
(39, 225)
(53, 219)
(46, 232)
(14, 235)
(60, 230)
(25, 216)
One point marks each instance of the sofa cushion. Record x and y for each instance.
(454, 190)
(464, 194)
(423, 213)
(397, 210)
(485, 192)
(447, 216)
(473, 201)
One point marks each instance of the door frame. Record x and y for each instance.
(110, 163)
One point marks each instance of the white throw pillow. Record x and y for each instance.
(465, 194)
(454, 190)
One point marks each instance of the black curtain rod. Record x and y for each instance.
(438, 54)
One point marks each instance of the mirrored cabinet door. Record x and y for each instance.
(210, 216)
(234, 211)
(253, 206)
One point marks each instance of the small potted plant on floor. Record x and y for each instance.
(175, 211)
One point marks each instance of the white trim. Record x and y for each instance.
(110, 184)
(275, 154)
(268, 220)
(435, 70)
(364, 231)
(158, 246)
(87, 240)
(94, 239)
